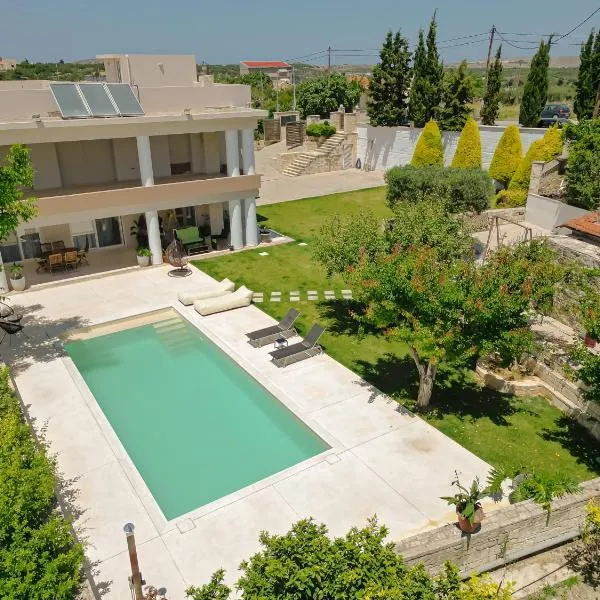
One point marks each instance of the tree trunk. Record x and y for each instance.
(427, 372)
(3, 278)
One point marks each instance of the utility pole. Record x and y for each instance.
(492, 33)
(329, 58)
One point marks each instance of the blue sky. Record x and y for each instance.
(222, 31)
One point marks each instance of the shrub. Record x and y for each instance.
(544, 149)
(39, 557)
(583, 166)
(468, 151)
(320, 129)
(429, 150)
(507, 156)
(459, 189)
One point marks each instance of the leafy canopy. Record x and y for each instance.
(583, 165)
(535, 92)
(456, 99)
(322, 95)
(491, 99)
(388, 90)
(588, 77)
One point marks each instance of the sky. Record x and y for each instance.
(228, 31)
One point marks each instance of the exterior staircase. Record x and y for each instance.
(302, 162)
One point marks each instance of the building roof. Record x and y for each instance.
(266, 64)
(588, 224)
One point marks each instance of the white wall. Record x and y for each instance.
(549, 213)
(45, 165)
(179, 148)
(197, 151)
(212, 158)
(159, 147)
(86, 162)
(127, 165)
(380, 148)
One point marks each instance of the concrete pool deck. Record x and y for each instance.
(383, 460)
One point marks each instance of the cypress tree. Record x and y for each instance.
(434, 71)
(535, 92)
(507, 156)
(388, 102)
(491, 98)
(429, 151)
(595, 71)
(458, 93)
(585, 93)
(417, 107)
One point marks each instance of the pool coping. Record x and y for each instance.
(185, 522)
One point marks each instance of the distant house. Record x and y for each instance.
(280, 72)
(586, 227)
(7, 64)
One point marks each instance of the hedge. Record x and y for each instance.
(320, 129)
(583, 166)
(468, 150)
(429, 150)
(460, 189)
(507, 156)
(39, 557)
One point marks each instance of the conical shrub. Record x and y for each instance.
(429, 150)
(507, 156)
(468, 150)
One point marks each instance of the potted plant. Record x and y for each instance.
(143, 256)
(17, 277)
(265, 234)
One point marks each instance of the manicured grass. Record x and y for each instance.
(503, 431)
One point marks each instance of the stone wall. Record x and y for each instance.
(380, 148)
(481, 222)
(506, 534)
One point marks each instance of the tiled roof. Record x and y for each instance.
(266, 64)
(587, 224)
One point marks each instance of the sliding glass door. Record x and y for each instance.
(109, 232)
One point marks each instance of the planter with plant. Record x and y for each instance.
(143, 256)
(265, 234)
(17, 277)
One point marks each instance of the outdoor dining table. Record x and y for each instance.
(62, 251)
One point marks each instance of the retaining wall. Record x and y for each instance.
(549, 213)
(507, 534)
(380, 148)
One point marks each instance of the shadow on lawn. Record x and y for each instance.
(340, 315)
(576, 440)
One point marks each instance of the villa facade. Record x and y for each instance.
(154, 139)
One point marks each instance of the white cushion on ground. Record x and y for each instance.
(223, 287)
(241, 297)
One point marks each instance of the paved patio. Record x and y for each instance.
(382, 460)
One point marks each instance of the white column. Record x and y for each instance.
(232, 151)
(145, 160)
(154, 236)
(215, 212)
(235, 224)
(251, 225)
(248, 151)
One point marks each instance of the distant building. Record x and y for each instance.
(7, 64)
(280, 72)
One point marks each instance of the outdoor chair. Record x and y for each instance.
(42, 263)
(268, 335)
(307, 348)
(45, 248)
(71, 259)
(55, 261)
(59, 245)
(191, 240)
(82, 254)
(11, 328)
(7, 313)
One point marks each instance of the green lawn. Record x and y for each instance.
(504, 431)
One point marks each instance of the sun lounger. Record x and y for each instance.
(241, 297)
(268, 335)
(296, 352)
(222, 288)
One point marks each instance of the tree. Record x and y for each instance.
(585, 90)
(16, 175)
(306, 563)
(388, 101)
(457, 96)
(434, 71)
(468, 150)
(583, 165)
(507, 156)
(322, 95)
(429, 150)
(417, 107)
(535, 92)
(491, 98)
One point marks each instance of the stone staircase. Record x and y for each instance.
(302, 163)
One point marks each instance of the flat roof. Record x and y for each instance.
(265, 64)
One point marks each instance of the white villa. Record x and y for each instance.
(154, 139)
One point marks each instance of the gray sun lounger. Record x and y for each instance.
(307, 348)
(268, 335)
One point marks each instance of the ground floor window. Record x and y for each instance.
(109, 232)
(84, 240)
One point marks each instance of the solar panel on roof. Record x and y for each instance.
(69, 100)
(123, 96)
(98, 100)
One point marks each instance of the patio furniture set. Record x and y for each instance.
(55, 256)
(10, 321)
(222, 298)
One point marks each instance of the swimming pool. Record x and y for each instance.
(194, 423)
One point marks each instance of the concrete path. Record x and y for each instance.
(382, 459)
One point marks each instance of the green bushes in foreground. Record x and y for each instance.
(39, 557)
(461, 190)
(320, 129)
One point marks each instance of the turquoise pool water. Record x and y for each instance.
(195, 424)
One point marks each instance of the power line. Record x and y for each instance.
(464, 37)
(579, 24)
